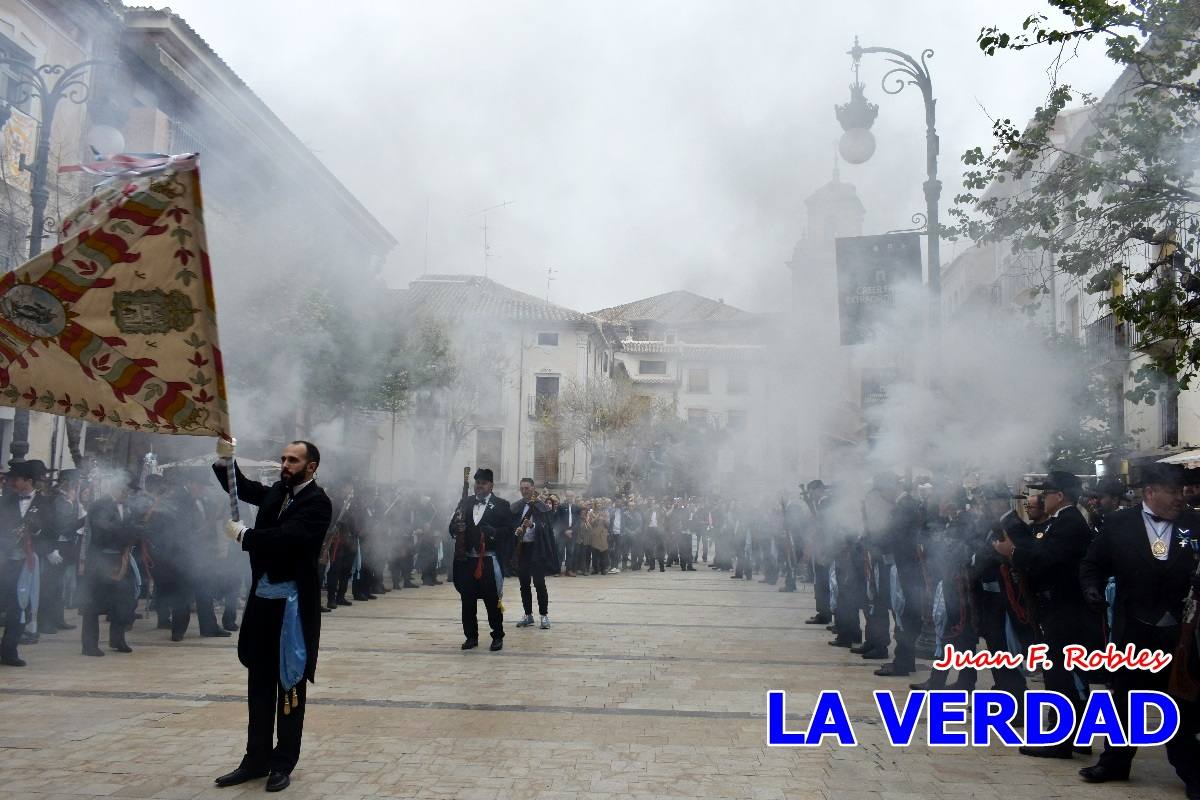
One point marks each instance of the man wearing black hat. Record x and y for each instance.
(108, 580)
(1105, 498)
(27, 523)
(54, 546)
(480, 527)
(1151, 550)
(817, 546)
(1050, 562)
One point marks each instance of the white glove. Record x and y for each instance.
(234, 530)
(54, 558)
(226, 449)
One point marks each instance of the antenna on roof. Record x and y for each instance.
(487, 252)
(550, 271)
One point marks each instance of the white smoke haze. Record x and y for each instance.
(648, 147)
(974, 381)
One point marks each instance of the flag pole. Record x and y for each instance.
(231, 485)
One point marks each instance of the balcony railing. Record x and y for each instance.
(1106, 339)
(542, 405)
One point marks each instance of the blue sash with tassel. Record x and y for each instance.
(293, 655)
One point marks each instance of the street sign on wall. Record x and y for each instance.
(870, 268)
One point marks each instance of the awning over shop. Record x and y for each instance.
(1188, 458)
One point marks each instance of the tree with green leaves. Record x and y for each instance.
(1108, 195)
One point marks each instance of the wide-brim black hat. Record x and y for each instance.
(1058, 480)
(33, 470)
(1173, 475)
(1108, 487)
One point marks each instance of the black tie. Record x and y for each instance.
(287, 501)
(1157, 518)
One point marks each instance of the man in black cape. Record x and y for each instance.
(480, 527)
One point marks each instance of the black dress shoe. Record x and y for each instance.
(874, 655)
(176, 637)
(216, 634)
(919, 687)
(1082, 749)
(859, 649)
(497, 644)
(411, 585)
(470, 644)
(841, 643)
(1048, 751)
(120, 648)
(12, 661)
(371, 596)
(341, 601)
(1102, 774)
(325, 610)
(817, 619)
(238, 776)
(233, 626)
(93, 651)
(278, 781)
(892, 671)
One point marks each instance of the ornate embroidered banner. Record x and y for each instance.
(117, 324)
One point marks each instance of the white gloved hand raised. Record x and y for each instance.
(54, 557)
(234, 530)
(226, 449)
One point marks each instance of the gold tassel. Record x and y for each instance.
(295, 699)
(287, 707)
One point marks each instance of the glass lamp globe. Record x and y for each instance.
(857, 145)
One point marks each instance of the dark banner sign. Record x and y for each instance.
(869, 270)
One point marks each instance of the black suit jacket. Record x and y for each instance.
(1146, 587)
(495, 526)
(284, 547)
(545, 548)
(1051, 565)
(44, 520)
(560, 519)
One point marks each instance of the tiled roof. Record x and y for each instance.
(674, 308)
(457, 296)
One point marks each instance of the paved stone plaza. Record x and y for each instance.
(649, 685)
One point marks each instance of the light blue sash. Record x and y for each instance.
(293, 655)
(29, 590)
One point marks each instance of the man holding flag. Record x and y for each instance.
(281, 626)
(116, 325)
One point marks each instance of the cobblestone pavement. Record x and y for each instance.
(649, 685)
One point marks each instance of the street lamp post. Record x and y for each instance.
(858, 144)
(50, 84)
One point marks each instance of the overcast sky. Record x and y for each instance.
(646, 146)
